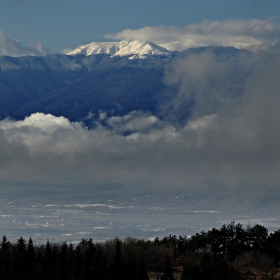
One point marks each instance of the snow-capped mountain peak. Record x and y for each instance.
(132, 48)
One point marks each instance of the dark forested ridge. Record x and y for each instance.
(73, 86)
(231, 252)
(78, 85)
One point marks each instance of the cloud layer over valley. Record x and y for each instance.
(231, 136)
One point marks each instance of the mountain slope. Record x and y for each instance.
(115, 85)
(23, 79)
(75, 86)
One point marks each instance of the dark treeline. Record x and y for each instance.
(231, 252)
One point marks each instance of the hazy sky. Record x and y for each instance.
(60, 24)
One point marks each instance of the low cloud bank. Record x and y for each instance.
(254, 34)
(229, 138)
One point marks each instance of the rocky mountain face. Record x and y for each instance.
(131, 48)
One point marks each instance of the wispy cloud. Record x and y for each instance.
(254, 34)
(12, 47)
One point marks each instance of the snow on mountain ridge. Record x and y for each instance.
(134, 49)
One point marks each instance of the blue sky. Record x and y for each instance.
(60, 24)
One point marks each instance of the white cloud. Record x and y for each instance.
(11, 47)
(254, 34)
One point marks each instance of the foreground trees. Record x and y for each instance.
(229, 253)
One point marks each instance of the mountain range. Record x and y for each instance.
(187, 122)
(116, 77)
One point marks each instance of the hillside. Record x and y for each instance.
(76, 86)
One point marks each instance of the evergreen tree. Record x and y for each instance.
(62, 261)
(70, 261)
(20, 258)
(55, 262)
(89, 258)
(5, 256)
(78, 262)
(116, 264)
(100, 269)
(48, 262)
(30, 255)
